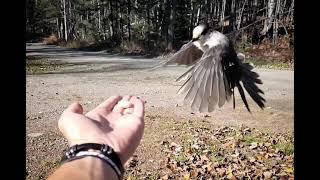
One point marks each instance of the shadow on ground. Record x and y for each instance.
(44, 66)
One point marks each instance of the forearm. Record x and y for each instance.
(85, 168)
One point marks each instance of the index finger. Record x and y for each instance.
(109, 103)
(104, 108)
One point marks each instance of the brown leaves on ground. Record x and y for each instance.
(52, 40)
(227, 153)
(282, 52)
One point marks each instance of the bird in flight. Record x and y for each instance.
(216, 69)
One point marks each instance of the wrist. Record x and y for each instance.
(101, 151)
(100, 141)
(89, 168)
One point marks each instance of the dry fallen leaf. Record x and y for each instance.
(204, 158)
(173, 144)
(288, 170)
(253, 145)
(252, 159)
(221, 171)
(194, 173)
(267, 174)
(165, 177)
(186, 176)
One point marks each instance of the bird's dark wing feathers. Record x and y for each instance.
(249, 80)
(206, 85)
(242, 72)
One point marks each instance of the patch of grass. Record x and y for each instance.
(260, 63)
(42, 65)
(286, 147)
(153, 117)
(172, 124)
(38, 65)
(200, 125)
(213, 149)
(148, 176)
(130, 177)
(214, 153)
(216, 158)
(153, 176)
(186, 138)
(248, 139)
(181, 158)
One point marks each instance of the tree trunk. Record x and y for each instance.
(116, 20)
(207, 10)
(120, 20)
(104, 24)
(111, 20)
(191, 19)
(58, 28)
(276, 24)
(65, 21)
(171, 25)
(233, 15)
(268, 22)
(198, 14)
(69, 15)
(82, 30)
(240, 15)
(223, 8)
(290, 14)
(164, 21)
(129, 23)
(99, 18)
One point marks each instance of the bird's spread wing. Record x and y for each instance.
(206, 85)
(187, 55)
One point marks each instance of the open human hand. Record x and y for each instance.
(118, 122)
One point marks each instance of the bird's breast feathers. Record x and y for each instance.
(215, 38)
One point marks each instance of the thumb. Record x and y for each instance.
(75, 108)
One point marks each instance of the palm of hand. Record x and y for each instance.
(108, 124)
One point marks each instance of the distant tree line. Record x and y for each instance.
(164, 24)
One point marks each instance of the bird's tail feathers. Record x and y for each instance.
(250, 79)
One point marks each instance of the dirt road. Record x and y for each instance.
(102, 75)
(94, 76)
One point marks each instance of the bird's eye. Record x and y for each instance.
(195, 39)
(205, 31)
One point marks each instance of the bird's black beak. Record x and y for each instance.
(195, 39)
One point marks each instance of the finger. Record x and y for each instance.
(138, 107)
(75, 108)
(109, 104)
(102, 110)
(122, 104)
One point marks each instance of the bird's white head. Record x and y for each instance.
(198, 31)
